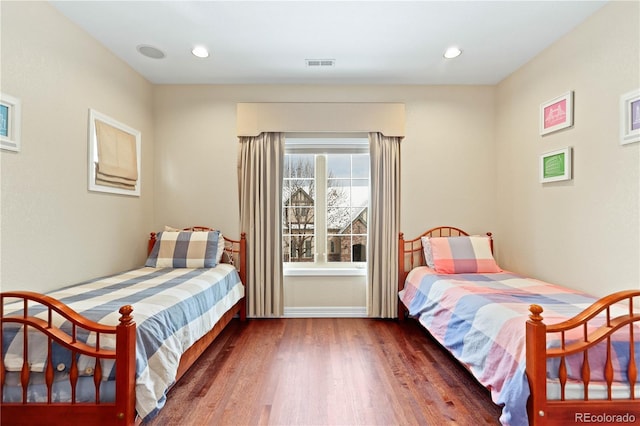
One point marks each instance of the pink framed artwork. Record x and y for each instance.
(556, 114)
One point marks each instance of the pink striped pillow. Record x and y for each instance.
(463, 255)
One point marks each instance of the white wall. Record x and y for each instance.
(583, 233)
(447, 154)
(448, 162)
(469, 158)
(54, 232)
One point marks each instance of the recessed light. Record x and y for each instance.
(150, 51)
(200, 52)
(452, 52)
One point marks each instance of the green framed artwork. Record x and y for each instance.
(555, 165)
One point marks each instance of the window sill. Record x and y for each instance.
(321, 272)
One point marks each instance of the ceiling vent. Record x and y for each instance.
(322, 63)
(150, 51)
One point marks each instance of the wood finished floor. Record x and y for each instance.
(326, 371)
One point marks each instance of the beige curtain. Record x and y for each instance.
(260, 161)
(384, 226)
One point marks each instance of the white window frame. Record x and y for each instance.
(320, 146)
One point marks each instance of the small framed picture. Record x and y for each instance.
(630, 117)
(556, 114)
(555, 165)
(114, 156)
(10, 118)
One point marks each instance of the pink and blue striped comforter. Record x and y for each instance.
(480, 319)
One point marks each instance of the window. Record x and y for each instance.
(325, 202)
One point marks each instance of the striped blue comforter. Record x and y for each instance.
(172, 309)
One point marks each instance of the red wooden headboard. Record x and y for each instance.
(410, 252)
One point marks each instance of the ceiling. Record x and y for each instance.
(372, 42)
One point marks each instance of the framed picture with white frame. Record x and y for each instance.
(630, 117)
(10, 122)
(555, 165)
(556, 114)
(114, 156)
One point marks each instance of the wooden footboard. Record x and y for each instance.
(564, 411)
(122, 411)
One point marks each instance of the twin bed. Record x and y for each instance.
(580, 369)
(107, 351)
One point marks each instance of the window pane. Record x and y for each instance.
(297, 220)
(359, 223)
(359, 248)
(338, 220)
(347, 248)
(298, 248)
(299, 166)
(298, 187)
(361, 166)
(339, 166)
(286, 248)
(360, 192)
(338, 248)
(338, 193)
(298, 192)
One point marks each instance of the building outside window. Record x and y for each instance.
(325, 204)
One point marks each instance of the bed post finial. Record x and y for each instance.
(126, 367)
(490, 235)
(535, 310)
(152, 241)
(126, 317)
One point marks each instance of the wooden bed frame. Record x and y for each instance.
(122, 411)
(562, 412)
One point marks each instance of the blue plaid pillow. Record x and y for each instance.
(185, 250)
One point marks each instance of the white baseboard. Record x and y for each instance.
(326, 312)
